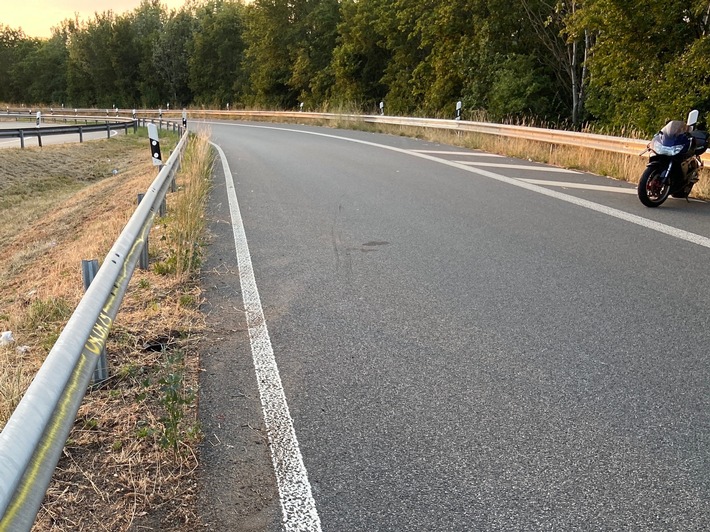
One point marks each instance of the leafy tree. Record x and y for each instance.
(147, 22)
(90, 74)
(14, 48)
(171, 56)
(216, 53)
(644, 59)
(270, 44)
(502, 63)
(615, 62)
(42, 72)
(520, 89)
(312, 56)
(445, 29)
(51, 82)
(125, 55)
(404, 76)
(565, 51)
(361, 56)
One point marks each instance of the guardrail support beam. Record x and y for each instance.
(89, 269)
(143, 259)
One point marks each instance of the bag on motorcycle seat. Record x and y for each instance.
(700, 141)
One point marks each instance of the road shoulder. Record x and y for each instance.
(237, 484)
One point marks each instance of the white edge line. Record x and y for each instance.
(603, 209)
(297, 503)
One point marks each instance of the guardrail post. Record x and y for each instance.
(22, 139)
(143, 259)
(108, 130)
(81, 134)
(89, 269)
(39, 139)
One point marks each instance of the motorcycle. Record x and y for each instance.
(675, 161)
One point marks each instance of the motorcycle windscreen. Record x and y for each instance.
(674, 128)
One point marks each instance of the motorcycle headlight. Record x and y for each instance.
(670, 151)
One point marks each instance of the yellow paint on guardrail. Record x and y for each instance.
(39, 458)
(94, 345)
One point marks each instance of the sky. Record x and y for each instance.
(37, 17)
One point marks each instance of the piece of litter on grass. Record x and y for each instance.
(6, 338)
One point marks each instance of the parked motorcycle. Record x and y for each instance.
(675, 161)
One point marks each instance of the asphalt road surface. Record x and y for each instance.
(464, 342)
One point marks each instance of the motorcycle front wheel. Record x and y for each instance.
(651, 190)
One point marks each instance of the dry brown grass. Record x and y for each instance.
(46, 233)
(187, 223)
(122, 468)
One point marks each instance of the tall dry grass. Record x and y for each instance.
(13, 381)
(185, 223)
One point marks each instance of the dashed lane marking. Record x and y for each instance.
(459, 153)
(584, 186)
(548, 169)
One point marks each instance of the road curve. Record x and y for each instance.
(464, 341)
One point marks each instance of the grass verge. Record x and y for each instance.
(130, 461)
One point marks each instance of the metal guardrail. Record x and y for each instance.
(44, 131)
(593, 141)
(108, 125)
(34, 436)
(552, 136)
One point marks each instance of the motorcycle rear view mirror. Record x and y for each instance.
(693, 117)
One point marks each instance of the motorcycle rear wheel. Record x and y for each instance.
(651, 190)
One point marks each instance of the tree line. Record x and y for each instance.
(612, 63)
